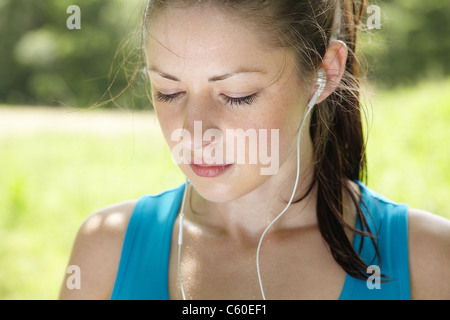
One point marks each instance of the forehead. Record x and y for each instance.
(204, 38)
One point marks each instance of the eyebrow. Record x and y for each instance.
(212, 79)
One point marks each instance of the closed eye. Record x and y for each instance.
(231, 101)
(161, 97)
(240, 101)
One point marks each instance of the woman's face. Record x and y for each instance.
(213, 74)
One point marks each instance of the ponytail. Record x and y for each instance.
(339, 152)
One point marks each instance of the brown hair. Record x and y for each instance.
(308, 26)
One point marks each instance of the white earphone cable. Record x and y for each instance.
(321, 81)
(287, 206)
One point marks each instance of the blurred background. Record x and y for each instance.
(61, 160)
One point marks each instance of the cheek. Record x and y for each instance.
(169, 122)
(285, 114)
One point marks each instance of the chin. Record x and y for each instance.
(217, 193)
(233, 184)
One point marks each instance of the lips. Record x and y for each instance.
(209, 170)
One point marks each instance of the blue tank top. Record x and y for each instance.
(144, 263)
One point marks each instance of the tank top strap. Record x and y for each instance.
(388, 221)
(144, 262)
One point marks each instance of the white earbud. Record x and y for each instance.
(321, 83)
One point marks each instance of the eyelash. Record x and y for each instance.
(161, 97)
(248, 100)
(232, 102)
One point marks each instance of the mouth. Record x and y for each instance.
(209, 170)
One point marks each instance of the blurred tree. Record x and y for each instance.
(413, 42)
(43, 62)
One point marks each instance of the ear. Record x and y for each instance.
(333, 64)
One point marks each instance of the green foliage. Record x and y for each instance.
(412, 44)
(43, 62)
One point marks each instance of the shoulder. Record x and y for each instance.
(429, 252)
(96, 251)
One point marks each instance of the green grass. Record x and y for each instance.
(51, 179)
(409, 146)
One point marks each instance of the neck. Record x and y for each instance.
(245, 218)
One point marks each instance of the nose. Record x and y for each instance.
(201, 113)
(201, 116)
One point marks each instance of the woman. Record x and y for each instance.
(310, 229)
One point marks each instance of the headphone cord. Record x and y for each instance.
(287, 206)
